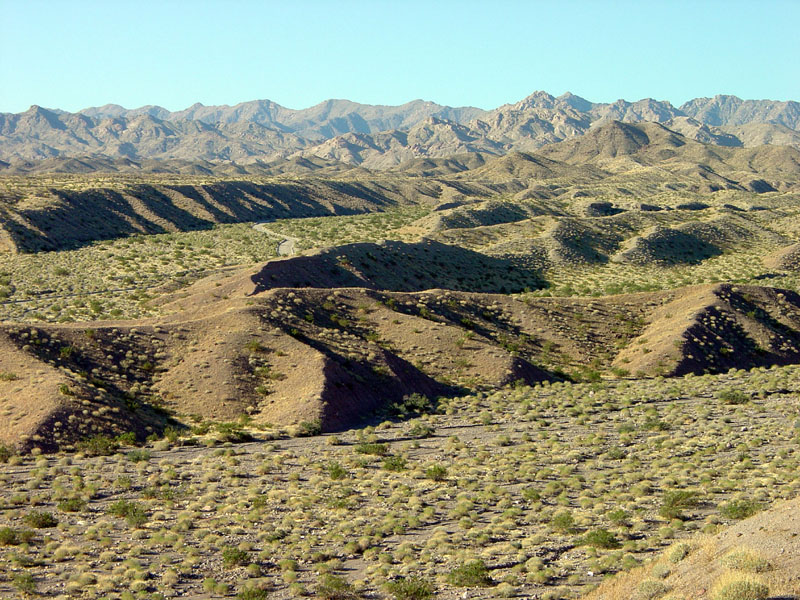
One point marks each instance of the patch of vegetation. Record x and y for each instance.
(735, 586)
(40, 519)
(98, 445)
(741, 508)
(470, 574)
(410, 588)
(733, 396)
(134, 513)
(676, 501)
(747, 561)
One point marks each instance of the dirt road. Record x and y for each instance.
(286, 247)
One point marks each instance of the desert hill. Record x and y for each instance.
(615, 159)
(368, 333)
(62, 217)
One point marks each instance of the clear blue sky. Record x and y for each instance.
(75, 54)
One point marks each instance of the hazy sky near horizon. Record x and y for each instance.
(72, 54)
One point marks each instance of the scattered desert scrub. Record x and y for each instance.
(293, 509)
(117, 278)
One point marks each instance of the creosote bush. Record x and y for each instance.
(600, 538)
(410, 588)
(733, 396)
(470, 574)
(98, 445)
(334, 587)
(133, 512)
(746, 560)
(738, 586)
(40, 519)
(651, 589)
(234, 557)
(676, 501)
(741, 508)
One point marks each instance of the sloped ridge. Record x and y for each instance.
(712, 329)
(490, 212)
(571, 241)
(284, 356)
(71, 218)
(359, 351)
(666, 246)
(398, 266)
(49, 407)
(527, 166)
(693, 242)
(784, 259)
(608, 141)
(437, 167)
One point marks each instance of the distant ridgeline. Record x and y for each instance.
(372, 136)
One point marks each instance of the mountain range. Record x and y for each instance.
(376, 137)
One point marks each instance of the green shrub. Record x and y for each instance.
(600, 538)
(678, 552)
(436, 472)
(470, 574)
(410, 588)
(734, 586)
(651, 589)
(133, 512)
(618, 517)
(375, 448)
(733, 396)
(746, 560)
(394, 463)
(25, 583)
(654, 424)
(98, 445)
(333, 587)
(255, 346)
(5, 453)
(616, 454)
(531, 494)
(414, 404)
(8, 537)
(739, 509)
(138, 455)
(336, 471)
(127, 439)
(253, 593)
(563, 522)
(232, 432)
(675, 502)
(419, 430)
(40, 519)
(75, 504)
(309, 428)
(233, 557)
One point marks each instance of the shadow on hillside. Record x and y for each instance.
(399, 266)
(79, 218)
